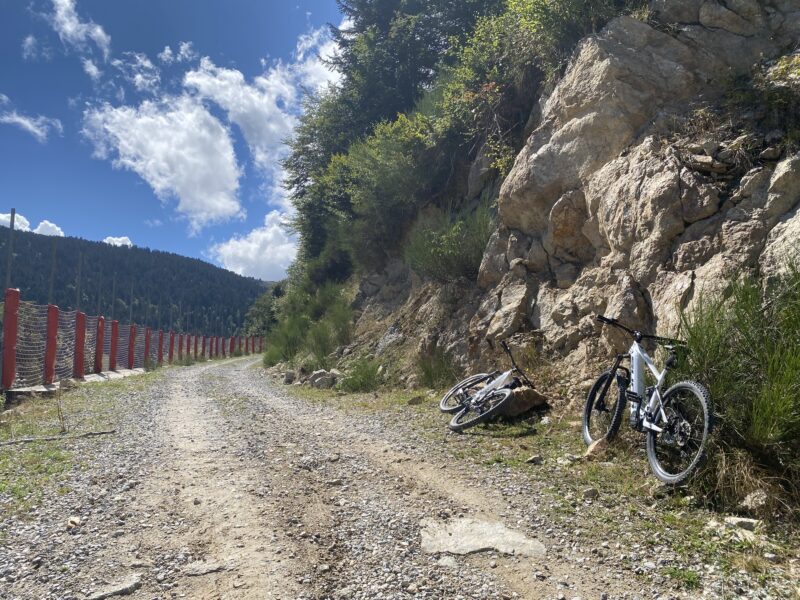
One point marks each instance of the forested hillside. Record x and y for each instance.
(145, 286)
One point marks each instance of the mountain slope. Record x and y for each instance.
(164, 289)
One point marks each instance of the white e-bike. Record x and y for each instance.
(677, 423)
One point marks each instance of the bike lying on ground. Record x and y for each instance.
(479, 397)
(677, 424)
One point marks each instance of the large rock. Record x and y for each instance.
(611, 213)
(523, 400)
(322, 379)
(467, 536)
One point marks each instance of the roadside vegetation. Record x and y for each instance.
(744, 344)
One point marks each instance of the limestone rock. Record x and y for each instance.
(467, 536)
(322, 379)
(123, 588)
(523, 400)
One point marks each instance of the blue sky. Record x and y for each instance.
(159, 122)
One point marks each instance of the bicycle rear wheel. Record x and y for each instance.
(679, 449)
(602, 414)
(453, 400)
(472, 414)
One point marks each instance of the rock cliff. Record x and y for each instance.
(618, 204)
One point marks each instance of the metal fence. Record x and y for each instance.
(40, 345)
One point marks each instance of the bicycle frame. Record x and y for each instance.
(639, 360)
(497, 383)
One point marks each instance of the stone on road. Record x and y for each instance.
(467, 536)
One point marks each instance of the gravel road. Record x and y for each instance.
(219, 484)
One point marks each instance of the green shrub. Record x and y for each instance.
(362, 376)
(436, 369)
(447, 249)
(340, 317)
(319, 342)
(272, 355)
(744, 344)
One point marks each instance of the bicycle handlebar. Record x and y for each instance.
(638, 335)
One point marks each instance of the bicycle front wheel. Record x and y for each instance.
(454, 400)
(602, 414)
(679, 449)
(472, 414)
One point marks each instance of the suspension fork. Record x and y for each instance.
(623, 379)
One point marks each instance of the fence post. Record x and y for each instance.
(147, 334)
(78, 367)
(160, 353)
(98, 350)
(204, 348)
(10, 325)
(112, 359)
(131, 345)
(180, 346)
(171, 352)
(50, 344)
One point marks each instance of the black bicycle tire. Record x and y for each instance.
(704, 396)
(458, 425)
(467, 381)
(616, 417)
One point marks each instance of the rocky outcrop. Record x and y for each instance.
(602, 213)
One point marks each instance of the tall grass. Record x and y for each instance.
(744, 344)
(320, 343)
(362, 376)
(447, 248)
(437, 369)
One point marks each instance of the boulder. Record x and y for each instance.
(322, 379)
(289, 377)
(523, 400)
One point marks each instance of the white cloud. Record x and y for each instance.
(166, 56)
(118, 241)
(258, 108)
(29, 47)
(185, 53)
(139, 70)
(265, 252)
(4, 99)
(48, 228)
(39, 127)
(177, 147)
(20, 222)
(76, 33)
(91, 69)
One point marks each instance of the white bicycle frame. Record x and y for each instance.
(497, 383)
(640, 359)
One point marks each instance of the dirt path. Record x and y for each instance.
(223, 486)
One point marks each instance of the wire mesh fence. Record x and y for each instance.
(65, 345)
(37, 362)
(31, 343)
(138, 349)
(106, 366)
(122, 346)
(90, 344)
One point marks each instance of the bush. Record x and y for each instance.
(744, 344)
(437, 369)
(363, 376)
(319, 342)
(272, 355)
(447, 249)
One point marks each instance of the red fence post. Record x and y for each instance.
(112, 359)
(195, 347)
(180, 346)
(147, 334)
(80, 342)
(204, 351)
(10, 325)
(171, 346)
(50, 344)
(131, 345)
(98, 350)
(160, 354)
